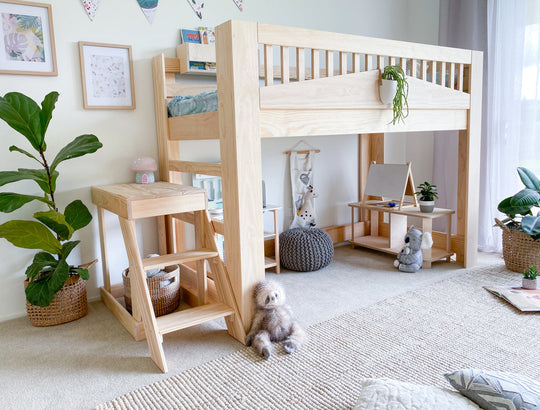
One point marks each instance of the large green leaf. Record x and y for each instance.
(525, 197)
(531, 225)
(56, 222)
(41, 292)
(10, 201)
(506, 207)
(77, 215)
(30, 235)
(529, 179)
(38, 175)
(82, 145)
(41, 261)
(47, 107)
(23, 115)
(15, 148)
(83, 273)
(67, 247)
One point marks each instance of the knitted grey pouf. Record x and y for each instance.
(305, 250)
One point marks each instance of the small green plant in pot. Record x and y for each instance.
(426, 196)
(51, 230)
(395, 89)
(529, 278)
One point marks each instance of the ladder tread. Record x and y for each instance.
(192, 316)
(178, 258)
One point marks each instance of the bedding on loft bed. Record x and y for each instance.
(192, 104)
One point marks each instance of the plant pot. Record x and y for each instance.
(520, 251)
(427, 206)
(529, 284)
(69, 304)
(387, 91)
(164, 290)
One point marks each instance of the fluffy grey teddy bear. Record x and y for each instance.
(273, 321)
(410, 258)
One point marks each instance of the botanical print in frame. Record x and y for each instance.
(27, 38)
(107, 76)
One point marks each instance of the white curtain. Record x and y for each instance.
(511, 96)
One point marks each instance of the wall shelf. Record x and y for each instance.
(193, 52)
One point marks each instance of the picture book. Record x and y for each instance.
(207, 35)
(526, 300)
(197, 65)
(190, 36)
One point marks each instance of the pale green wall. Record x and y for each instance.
(128, 134)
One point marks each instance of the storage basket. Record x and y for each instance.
(164, 290)
(69, 304)
(520, 251)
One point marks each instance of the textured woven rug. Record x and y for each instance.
(414, 337)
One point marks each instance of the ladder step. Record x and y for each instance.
(178, 258)
(191, 317)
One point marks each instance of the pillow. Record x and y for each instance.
(496, 390)
(383, 394)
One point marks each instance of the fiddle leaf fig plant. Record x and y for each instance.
(518, 207)
(51, 231)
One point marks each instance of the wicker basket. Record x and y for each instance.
(164, 299)
(520, 251)
(68, 304)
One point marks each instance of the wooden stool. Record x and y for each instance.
(135, 201)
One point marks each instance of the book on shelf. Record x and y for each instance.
(197, 65)
(210, 66)
(190, 36)
(526, 300)
(207, 35)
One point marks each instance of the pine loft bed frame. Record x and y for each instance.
(305, 100)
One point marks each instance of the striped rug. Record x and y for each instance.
(414, 337)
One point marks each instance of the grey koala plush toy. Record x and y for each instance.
(409, 259)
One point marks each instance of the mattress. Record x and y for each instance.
(192, 104)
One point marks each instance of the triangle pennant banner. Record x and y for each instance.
(197, 6)
(148, 8)
(240, 4)
(90, 6)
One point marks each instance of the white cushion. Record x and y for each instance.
(387, 394)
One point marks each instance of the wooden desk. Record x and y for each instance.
(397, 223)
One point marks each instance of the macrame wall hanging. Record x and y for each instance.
(302, 190)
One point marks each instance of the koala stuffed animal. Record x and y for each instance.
(409, 259)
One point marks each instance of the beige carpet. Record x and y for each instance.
(415, 337)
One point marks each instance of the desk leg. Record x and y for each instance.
(427, 226)
(449, 235)
(276, 240)
(352, 227)
(103, 241)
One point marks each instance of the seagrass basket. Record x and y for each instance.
(164, 290)
(69, 304)
(520, 251)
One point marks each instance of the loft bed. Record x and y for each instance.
(266, 101)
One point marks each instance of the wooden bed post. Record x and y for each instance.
(238, 97)
(469, 167)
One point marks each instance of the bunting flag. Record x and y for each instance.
(149, 8)
(240, 4)
(197, 6)
(90, 6)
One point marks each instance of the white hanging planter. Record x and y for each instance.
(387, 91)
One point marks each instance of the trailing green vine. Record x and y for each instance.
(399, 103)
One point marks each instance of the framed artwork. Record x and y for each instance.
(27, 39)
(107, 76)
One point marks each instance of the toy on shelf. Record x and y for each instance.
(410, 258)
(144, 168)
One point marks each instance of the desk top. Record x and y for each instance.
(409, 211)
(133, 201)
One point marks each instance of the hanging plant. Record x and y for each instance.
(394, 79)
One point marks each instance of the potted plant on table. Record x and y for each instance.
(521, 228)
(395, 89)
(529, 278)
(55, 291)
(426, 196)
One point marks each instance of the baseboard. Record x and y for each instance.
(17, 315)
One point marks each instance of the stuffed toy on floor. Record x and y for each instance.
(273, 321)
(410, 258)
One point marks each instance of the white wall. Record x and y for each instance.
(128, 134)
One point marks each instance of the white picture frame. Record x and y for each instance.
(27, 39)
(107, 76)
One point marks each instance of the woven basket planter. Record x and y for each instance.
(69, 304)
(164, 290)
(520, 251)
